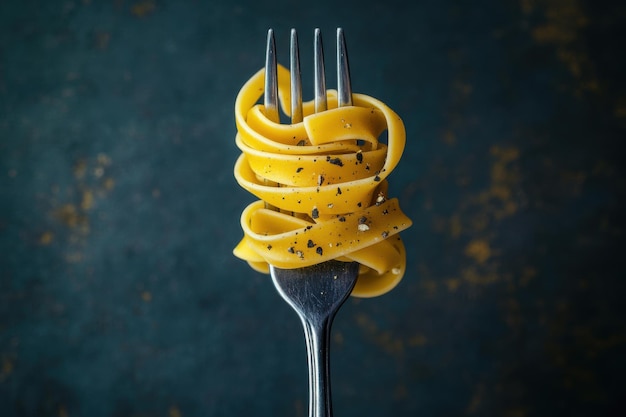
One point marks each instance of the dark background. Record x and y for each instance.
(119, 295)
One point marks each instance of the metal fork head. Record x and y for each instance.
(344, 88)
(318, 291)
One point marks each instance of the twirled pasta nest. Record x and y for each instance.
(322, 185)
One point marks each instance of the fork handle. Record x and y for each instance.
(317, 336)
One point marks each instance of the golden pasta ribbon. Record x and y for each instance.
(322, 186)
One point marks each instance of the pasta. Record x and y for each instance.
(322, 186)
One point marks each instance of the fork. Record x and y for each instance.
(316, 292)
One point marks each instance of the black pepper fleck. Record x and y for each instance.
(299, 169)
(310, 244)
(315, 213)
(319, 250)
(291, 250)
(335, 161)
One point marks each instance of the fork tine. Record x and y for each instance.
(344, 87)
(270, 97)
(296, 79)
(319, 73)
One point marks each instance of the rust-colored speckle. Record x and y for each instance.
(7, 368)
(87, 200)
(478, 250)
(449, 138)
(562, 23)
(452, 284)
(109, 183)
(80, 169)
(69, 216)
(143, 8)
(46, 238)
(475, 277)
(174, 412)
(384, 339)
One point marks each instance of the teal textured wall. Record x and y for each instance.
(119, 295)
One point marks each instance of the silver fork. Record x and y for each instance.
(317, 292)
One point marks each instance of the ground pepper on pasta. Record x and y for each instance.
(322, 186)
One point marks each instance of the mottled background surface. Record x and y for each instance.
(119, 295)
